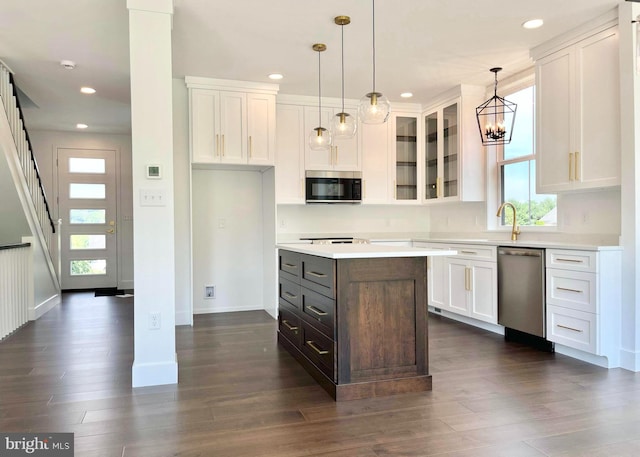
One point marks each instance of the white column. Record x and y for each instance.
(630, 194)
(153, 219)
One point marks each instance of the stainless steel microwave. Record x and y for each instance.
(333, 187)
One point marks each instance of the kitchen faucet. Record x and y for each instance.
(515, 230)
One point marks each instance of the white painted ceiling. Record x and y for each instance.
(422, 46)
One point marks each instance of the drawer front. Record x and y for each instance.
(289, 326)
(318, 274)
(572, 328)
(572, 260)
(474, 252)
(289, 292)
(320, 310)
(319, 349)
(290, 265)
(572, 289)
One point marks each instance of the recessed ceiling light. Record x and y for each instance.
(87, 90)
(68, 64)
(533, 24)
(81, 126)
(276, 76)
(406, 95)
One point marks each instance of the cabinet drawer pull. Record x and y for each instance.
(317, 311)
(576, 166)
(570, 165)
(289, 326)
(290, 295)
(568, 260)
(313, 346)
(469, 252)
(569, 328)
(290, 265)
(317, 275)
(570, 290)
(223, 145)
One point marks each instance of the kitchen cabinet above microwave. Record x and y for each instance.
(231, 122)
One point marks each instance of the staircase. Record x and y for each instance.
(38, 227)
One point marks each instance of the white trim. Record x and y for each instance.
(184, 318)
(593, 359)
(494, 328)
(154, 374)
(39, 310)
(226, 309)
(151, 6)
(630, 360)
(196, 82)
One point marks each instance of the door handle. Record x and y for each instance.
(111, 230)
(570, 166)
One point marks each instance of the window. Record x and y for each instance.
(517, 165)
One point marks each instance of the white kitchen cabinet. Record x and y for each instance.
(436, 275)
(374, 139)
(453, 164)
(343, 154)
(583, 301)
(404, 153)
(472, 284)
(578, 113)
(231, 122)
(289, 169)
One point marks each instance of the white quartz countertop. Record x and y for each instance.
(521, 243)
(362, 251)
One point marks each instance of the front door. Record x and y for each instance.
(87, 207)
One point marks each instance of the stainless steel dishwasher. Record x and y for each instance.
(521, 292)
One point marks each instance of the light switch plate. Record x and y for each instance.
(152, 197)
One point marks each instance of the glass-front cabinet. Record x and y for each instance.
(405, 138)
(441, 152)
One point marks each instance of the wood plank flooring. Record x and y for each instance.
(240, 395)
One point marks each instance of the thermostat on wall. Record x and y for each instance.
(153, 171)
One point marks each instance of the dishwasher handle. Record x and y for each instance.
(521, 252)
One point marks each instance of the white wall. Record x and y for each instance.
(227, 240)
(46, 143)
(13, 222)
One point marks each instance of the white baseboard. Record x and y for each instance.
(273, 312)
(584, 356)
(499, 329)
(183, 318)
(224, 309)
(40, 309)
(630, 360)
(154, 374)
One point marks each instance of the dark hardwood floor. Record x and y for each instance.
(240, 395)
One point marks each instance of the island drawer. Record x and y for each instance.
(318, 274)
(319, 349)
(320, 310)
(289, 325)
(289, 292)
(289, 264)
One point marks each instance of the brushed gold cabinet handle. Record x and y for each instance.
(570, 328)
(568, 260)
(313, 346)
(336, 156)
(570, 290)
(250, 147)
(317, 275)
(217, 144)
(289, 326)
(111, 230)
(364, 188)
(576, 165)
(317, 311)
(290, 295)
(223, 145)
(570, 166)
(290, 265)
(469, 252)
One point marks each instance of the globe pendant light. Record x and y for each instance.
(343, 125)
(374, 107)
(496, 117)
(319, 138)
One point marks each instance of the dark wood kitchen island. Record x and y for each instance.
(355, 316)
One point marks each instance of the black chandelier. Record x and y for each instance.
(496, 117)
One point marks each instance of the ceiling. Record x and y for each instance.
(422, 46)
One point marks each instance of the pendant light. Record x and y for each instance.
(496, 117)
(319, 138)
(374, 107)
(343, 125)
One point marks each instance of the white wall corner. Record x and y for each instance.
(630, 360)
(154, 374)
(41, 308)
(151, 6)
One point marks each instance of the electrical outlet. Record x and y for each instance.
(209, 291)
(154, 321)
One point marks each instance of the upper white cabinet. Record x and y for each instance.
(578, 112)
(453, 165)
(290, 141)
(404, 150)
(343, 154)
(231, 122)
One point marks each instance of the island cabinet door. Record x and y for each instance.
(382, 319)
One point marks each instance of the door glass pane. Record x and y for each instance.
(450, 156)
(88, 241)
(82, 190)
(406, 158)
(87, 216)
(88, 267)
(82, 165)
(431, 155)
